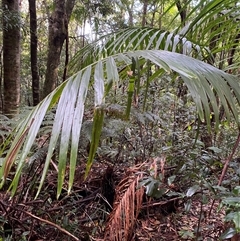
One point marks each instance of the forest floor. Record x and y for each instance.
(86, 213)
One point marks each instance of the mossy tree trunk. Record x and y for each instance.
(11, 57)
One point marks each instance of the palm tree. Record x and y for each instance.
(109, 62)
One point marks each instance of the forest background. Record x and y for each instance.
(135, 101)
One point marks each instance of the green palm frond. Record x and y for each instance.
(133, 39)
(216, 26)
(215, 10)
(203, 81)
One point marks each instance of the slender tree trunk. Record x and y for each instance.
(182, 9)
(58, 23)
(232, 51)
(11, 57)
(127, 6)
(33, 49)
(144, 14)
(130, 13)
(66, 59)
(1, 82)
(161, 12)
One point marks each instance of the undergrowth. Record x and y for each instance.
(165, 150)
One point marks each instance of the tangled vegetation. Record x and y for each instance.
(153, 176)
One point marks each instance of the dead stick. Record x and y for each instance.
(52, 224)
(228, 160)
(225, 168)
(161, 203)
(40, 219)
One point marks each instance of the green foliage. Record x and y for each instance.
(200, 79)
(11, 19)
(231, 201)
(131, 59)
(95, 138)
(138, 94)
(135, 39)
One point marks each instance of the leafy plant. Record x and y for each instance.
(232, 205)
(201, 79)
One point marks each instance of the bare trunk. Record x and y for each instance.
(130, 13)
(66, 60)
(232, 51)
(182, 9)
(33, 49)
(1, 82)
(145, 4)
(11, 57)
(160, 18)
(58, 23)
(130, 20)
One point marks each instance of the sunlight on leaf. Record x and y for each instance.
(228, 234)
(192, 190)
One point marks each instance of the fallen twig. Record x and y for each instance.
(52, 224)
(225, 168)
(160, 203)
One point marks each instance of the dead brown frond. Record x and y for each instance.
(12, 154)
(126, 208)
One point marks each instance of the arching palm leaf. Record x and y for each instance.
(212, 31)
(216, 26)
(132, 39)
(203, 81)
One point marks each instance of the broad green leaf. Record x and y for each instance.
(236, 220)
(215, 149)
(231, 201)
(171, 179)
(188, 205)
(192, 190)
(228, 234)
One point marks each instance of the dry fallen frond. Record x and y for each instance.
(126, 208)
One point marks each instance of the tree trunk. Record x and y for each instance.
(11, 57)
(58, 23)
(1, 81)
(182, 9)
(33, 50)
(232, 51)
(144, 14)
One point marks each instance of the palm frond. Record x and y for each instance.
(133, 39)
(203, 81)
(216, 26)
